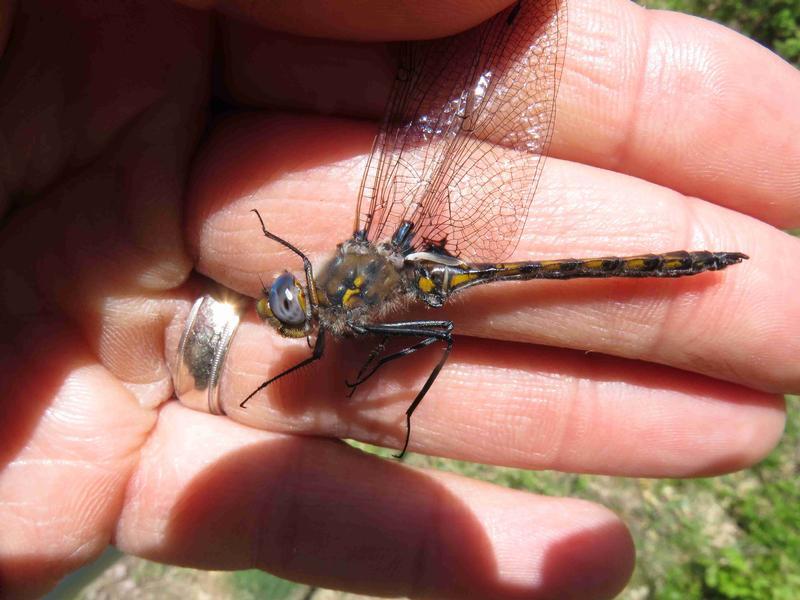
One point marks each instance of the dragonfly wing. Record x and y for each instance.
(462, 143)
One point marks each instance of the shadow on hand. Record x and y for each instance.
(325, 514)
(38, 356)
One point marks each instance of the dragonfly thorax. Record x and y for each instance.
(358, 285)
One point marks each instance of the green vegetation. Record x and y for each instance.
(254, 584)
(774, 23)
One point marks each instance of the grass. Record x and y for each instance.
(254, 584)
(773, 23)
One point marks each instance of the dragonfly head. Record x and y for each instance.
(284, 306)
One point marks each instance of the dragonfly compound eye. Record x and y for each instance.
(286, 301)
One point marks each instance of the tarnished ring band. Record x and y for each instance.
(204, 345)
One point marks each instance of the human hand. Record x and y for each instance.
(103, 110)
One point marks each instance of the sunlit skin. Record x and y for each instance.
(671, 133)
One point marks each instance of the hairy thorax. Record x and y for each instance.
(361, 284)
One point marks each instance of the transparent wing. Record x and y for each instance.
(463, 140)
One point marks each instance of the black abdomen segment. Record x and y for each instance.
(670, 264)
(446, 279)
(435, 282)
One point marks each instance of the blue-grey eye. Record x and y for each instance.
(286, 301)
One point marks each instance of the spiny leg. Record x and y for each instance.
(430, 330)
(361, 378)
(370, 359)
(431, 378)
(319, 349)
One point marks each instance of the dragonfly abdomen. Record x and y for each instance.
(669, 264)
(436, 282)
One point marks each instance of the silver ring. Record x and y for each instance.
(204, 345)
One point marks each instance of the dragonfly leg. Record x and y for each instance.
(319, 349)
(431, 378)
(370, 359)
(431, 331)
(361, 378)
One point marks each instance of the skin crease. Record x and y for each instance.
(121, 199)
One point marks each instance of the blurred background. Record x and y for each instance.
(736, 536)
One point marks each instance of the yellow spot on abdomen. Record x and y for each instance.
(551, 265)
(462, 278)
(426, 284)
(635, 264)
(511, 269)
(594, 265)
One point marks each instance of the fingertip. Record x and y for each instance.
(312, 510)
(595, 562)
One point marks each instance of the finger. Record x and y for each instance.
(213, 494)
(669, 98)
(303, 174)
(71, 435)
(103, 245)
(509, 404)
(684, 103)
(101, 249)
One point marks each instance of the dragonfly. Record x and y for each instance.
(445, 195)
